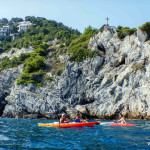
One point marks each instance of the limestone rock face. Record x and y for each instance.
(116, 82)
(15, 52)
(7, 79)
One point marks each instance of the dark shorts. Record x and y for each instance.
(77, 120)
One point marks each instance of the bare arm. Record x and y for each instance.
(118, 120)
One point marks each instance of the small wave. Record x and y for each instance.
(3, 138)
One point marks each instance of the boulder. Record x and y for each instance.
(142, 36)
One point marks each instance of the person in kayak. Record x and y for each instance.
(78, 119)
(63, 119)
(121, 119)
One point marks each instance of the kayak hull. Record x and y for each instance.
(67, 125)
(122, 124)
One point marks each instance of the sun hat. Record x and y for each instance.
(63, 115)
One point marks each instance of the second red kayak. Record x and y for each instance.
(122, 124)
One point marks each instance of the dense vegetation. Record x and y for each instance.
(40, 31)
(79, 47)
(34, 66)
(37, 35)
(13, 21)
(122, 32)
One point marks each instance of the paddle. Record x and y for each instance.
(104, 123)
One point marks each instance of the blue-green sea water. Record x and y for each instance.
(18, 134)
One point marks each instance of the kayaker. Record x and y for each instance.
(121, 119)
(78, 119)
(63, 119)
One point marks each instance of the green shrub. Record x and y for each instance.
(137, 67)
(34, 64)
(119, 27)
(40, 51)
(146, 28)
(122, 32)
(59, 71)
(82, 54)
(44, 46)
(34, 78)
(33, 71)
(14, 62)
(23, 56)
(82, 40)
(61, 46)
(129, 31)
(9, 63)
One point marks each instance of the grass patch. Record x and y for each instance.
(137, 67)
(57, 68)
(48, 78)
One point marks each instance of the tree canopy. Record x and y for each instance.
(41, 30)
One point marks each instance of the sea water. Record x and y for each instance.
(18, 134)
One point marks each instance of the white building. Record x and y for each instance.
(5, 31)
(24, 25)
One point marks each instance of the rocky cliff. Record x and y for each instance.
(116, 81)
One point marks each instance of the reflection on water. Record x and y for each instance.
(25, 134)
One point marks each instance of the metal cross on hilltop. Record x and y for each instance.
(107, 20)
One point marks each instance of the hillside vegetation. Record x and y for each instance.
(122, 32)
(39, 35)
(41, 30)
(79, 47)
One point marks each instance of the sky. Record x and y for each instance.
(79, 14)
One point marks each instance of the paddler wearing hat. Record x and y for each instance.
(63, 119)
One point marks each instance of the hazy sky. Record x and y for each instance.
(79, 14)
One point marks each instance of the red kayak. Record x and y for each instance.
(122, 124)
(68, 125)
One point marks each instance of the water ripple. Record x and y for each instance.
(25, 134)
(3, 138)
